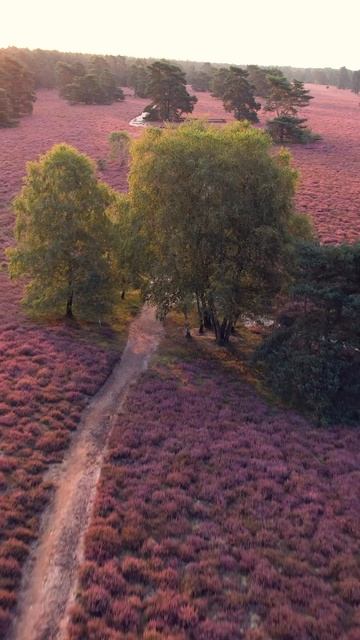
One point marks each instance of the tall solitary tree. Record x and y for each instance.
(63, 236)
(285, 98)
(238, 95)
(167, 88)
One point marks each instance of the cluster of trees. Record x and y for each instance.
(43, 64)
(129, 71)
(238, 87)
(164, 83)
(209, 224)
(16, 91)
(94, 85)
(349, 80)
(208, 217)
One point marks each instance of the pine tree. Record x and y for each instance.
(63, 236)
(285, 99)
(259, 79)
(238, 95)
(167, 88)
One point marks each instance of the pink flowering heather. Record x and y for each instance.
(242, 526)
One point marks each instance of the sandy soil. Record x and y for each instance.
(50, 581)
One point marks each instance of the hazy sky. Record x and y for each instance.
(315, 33)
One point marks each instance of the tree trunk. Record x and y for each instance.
(123, 294)
(69, 303)
(200, 314)
(206, 315)
(223, 331)
(215, 325)
(187, 324)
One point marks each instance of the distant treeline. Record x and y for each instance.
(132, 71)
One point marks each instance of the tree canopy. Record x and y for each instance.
(355, 86)
(16, 91)
(285, 98)
(344, 81)
(64, 236)
(238, 95)
(167, 88)
(94, 85)
(258, 78)
(312, 357)
(138, 79)
(213, 208)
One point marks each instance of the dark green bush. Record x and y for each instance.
(312, 374)
(312, 358)
(290, 129)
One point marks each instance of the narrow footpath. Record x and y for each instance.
(50, 583)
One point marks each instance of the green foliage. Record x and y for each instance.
(322, 381)
(213, 209)
(64, 236)
(286, 129)
(258, 78)
(301, 227)
(355, 85)
(285, 99)
(344, 81)
(43, 64)
(312, 357)
(167, 88)
(6, 117)
(218, 82)
(130, 250)
(119, 142)
(238, 95)
(200, 81)
(139, 80)
(67, 74)
(16, 91)
(97, 85)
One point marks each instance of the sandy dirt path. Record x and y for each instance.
(50, 584)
